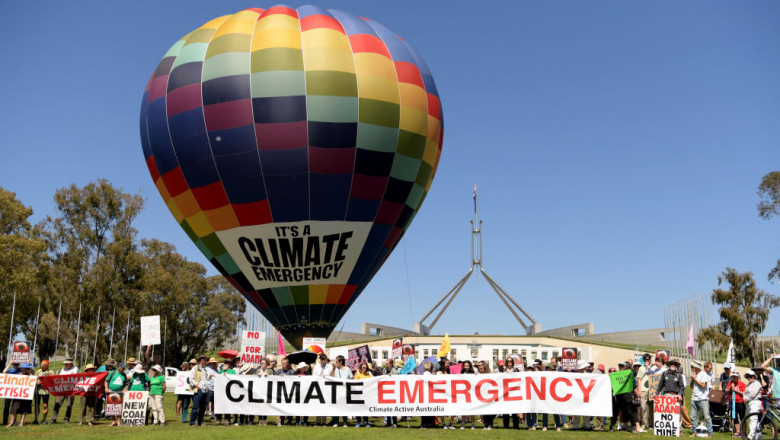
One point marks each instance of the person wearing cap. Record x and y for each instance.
(725, 376)
(735, 390)
(21, 407)
(701, 382)
(156, 391)
(115, 383)
(752, 397)
(41, 393)
(68, 368)
(199, 383)
(183, 401)
(88, 402)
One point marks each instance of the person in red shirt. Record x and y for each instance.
(736, 388)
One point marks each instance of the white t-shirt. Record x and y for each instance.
(319, 370)
(700, 393)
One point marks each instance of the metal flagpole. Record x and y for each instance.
(127, 333)
(111, 342)
(76, 345)
(11, 330)
(97, 328)
(165, 334)
(35, 339)
(57, 338)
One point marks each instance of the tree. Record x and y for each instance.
(744, 309)
(769, 206)
(22, 257)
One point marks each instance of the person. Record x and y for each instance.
(198, 381)
(183, 401)
(625, 401)
(285, 370)
(115, 383)
(725, 376)
(583, 423)
(340, 371)
(42, 395)
(11, 368)
(701, 383)
(735, 390)
(467, 369)
(21, 407)
(389, 368)
(321, 369)
(752, 397)
(211, 373)
(487, 419)
(155, 360)
(302, 369)
(509, 367)
(67, 369)
(88, 403)
(770, 365)
(557, 419)
(263, 370)
(362, 374)
(427, 421)
(157, 388)
(444, 368)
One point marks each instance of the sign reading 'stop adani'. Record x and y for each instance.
(308, 252)
(465, 394)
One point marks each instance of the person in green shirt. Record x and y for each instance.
(156, 390)
(115, 383)
(139, 381)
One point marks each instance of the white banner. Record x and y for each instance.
(181, 386)
(17, 386)
(535, 392)
(300, 253)
(252, 348)
(150, 330)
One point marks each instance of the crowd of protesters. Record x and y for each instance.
(632, 410)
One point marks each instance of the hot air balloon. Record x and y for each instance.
(294, 147)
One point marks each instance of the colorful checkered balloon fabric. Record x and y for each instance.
(294, 147)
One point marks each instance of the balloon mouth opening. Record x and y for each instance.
(294, 333)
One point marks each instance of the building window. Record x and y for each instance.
(425, 352)
(453, 354)
(495, 353)
(384, 354)
(474, 353)
(544, 355)
(514, 351)
(434, 351)
(556, 353)
(506, 353)
(374, 354)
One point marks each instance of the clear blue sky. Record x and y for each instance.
(617, 145)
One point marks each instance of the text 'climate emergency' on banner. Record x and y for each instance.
(537, 392)
(284, 254)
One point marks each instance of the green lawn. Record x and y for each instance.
(174, 429)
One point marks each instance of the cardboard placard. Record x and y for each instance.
(666, 416)
(17, 386)
(150, 330)
(134, 408)
(21, 353)
(357, 355)
(181, 386)
(398, 345)
(252, 348)
(652, 384)
(114, 404)
(315, 345)
(569, 358)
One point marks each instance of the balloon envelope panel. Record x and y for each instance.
(294, 147)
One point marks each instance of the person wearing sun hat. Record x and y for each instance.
(156, 391)
(68, 368)
(21, 407)
(88, 402)
(199, 382)
(752, 397)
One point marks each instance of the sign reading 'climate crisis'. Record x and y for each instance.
(284, 254)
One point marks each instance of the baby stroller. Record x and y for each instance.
(720, 411)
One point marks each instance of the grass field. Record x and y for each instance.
(174, 429)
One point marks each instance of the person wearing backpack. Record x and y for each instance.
(115, 383)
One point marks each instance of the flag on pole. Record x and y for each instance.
(282, 351)
(475, 198)
(690, 345)
(409, 366)
(730, 355)
(444, 350)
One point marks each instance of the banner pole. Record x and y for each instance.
(35, 339)
(127, 333)
(76, 345)
(11, 330)
(111, 342)
(57, 338)
(97, 328)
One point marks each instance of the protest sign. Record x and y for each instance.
(398, 345)
(409, 366)
(456, 368)
(315, 345)
(407, 351)
(21, 352)
(639, 357)
(569, 358)
(113, 404)
(150, 330)
(333, 353)
(252, 348)
(181, 386)
(134, 408)
(622, 382)
(81, 384)
(662, 354)
(357, 355)
(666, 416)
(17, 386)
(412, 395)
(652, 384)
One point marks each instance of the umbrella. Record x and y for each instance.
(228, 354)
(302, 356)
